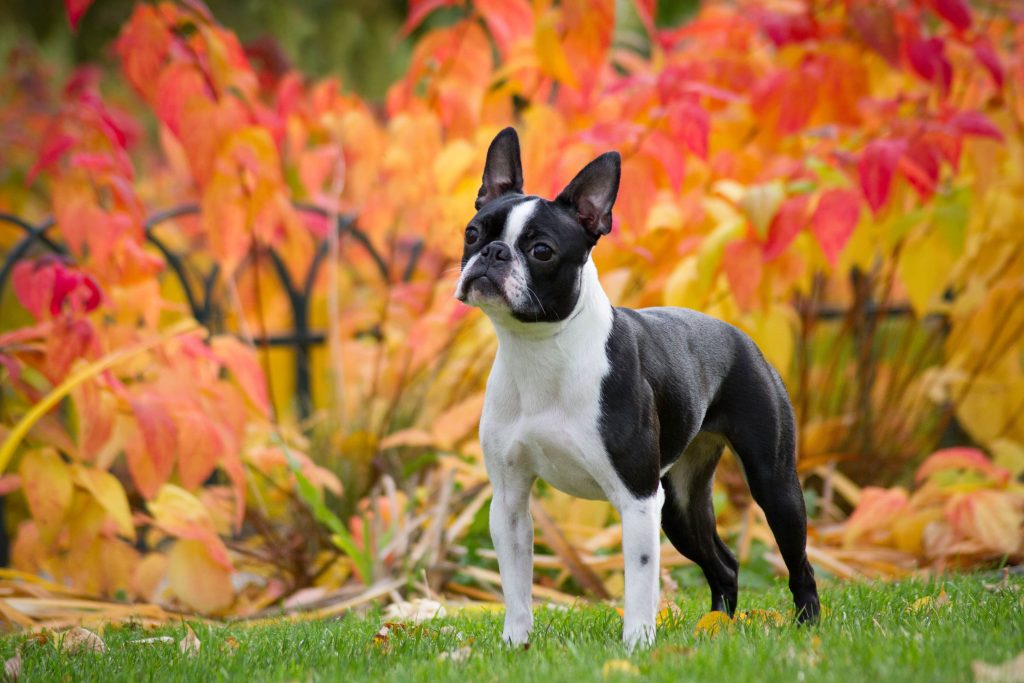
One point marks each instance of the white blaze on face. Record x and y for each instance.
(516, 285)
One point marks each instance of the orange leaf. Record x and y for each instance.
(150, 447)
(199, 447)
(961, 459)
(454, 424)
(178, 513)
(241, 360)
(743, 265)
(875, 511)
(507, 20)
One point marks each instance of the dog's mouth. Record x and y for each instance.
(479, 287)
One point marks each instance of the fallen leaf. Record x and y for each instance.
(622, 667)
(81, 639)
(929, 602)
(12, 667)
(712, 623)
(765, 617)
(190, 644)
(457, 656)
(152, 641)
(1010, 671)
(669, 613)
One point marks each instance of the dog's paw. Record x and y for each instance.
(639, 636)
(515, 637)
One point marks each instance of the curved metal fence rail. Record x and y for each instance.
(200, 297)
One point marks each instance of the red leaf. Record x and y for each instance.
(986, 54)
(743, 265)
(876, 166)
(75, 10)
(787, 28)
(834, 221)
(69, 340)
(956, 12)
(507, 21)
(661, 147)
(53, 148)
(976, 123)
(928, 59)
(690, 125)
(785, 226)
(921, 165)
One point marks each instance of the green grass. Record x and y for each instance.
(867, 634)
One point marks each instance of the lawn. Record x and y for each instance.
(912, 630)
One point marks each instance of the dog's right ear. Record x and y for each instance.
(503, 172)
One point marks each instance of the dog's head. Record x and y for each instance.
(524, 255)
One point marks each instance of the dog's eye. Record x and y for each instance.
(542, 252)
(472, 235)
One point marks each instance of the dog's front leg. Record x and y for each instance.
(641, 521)
(512, 534)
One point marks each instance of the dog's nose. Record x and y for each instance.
(496, 251)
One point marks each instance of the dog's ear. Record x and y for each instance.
(591, 194)
(503, 172)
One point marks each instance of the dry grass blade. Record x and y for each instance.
(554, 539)
(494, 579)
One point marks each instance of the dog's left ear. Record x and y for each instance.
(592, 193)
(503, 171)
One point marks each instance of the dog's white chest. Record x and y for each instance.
(542, 411)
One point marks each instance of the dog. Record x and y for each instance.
(606, 403)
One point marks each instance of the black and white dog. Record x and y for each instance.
(630, 406)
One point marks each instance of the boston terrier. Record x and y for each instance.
(630, 406)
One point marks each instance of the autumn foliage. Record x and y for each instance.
(779, 160)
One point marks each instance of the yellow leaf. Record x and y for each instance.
(108, 492)
(924, 269)
(197, 579)
(774, 333)
(179, 513)
(619, 667)
(549, 50)
(760, 203)
(763, 617)
(453, 163)
(46, 481)
(709, 256)
(712, 623)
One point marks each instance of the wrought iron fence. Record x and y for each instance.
(199, 287)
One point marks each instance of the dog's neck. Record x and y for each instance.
(590, 318)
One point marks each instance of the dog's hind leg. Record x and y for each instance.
(765, 442)
(688, 519)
